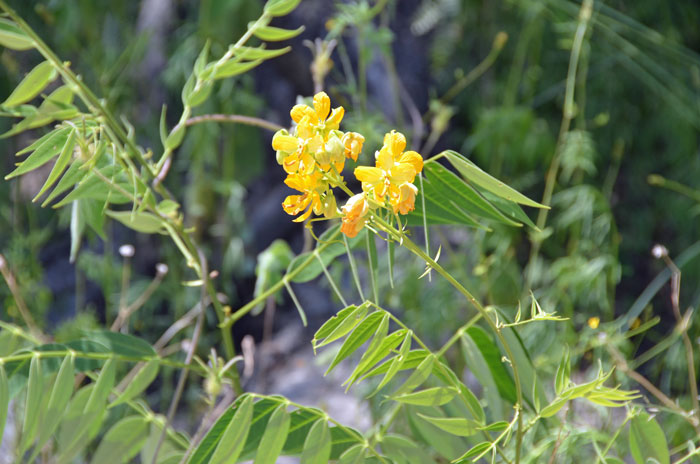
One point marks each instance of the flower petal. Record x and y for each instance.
(368, 174)
(284, 142)
(395, 142)
(414, 159)
(403, 172)
(299, 111)
(333, 121)
(322, 105)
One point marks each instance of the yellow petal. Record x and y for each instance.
(322, 105)
(385, 161)
(299, 111)
(414, 159)
(368, 174)
(403, 173)
(395, 142)
(333, 121)
(296, 182)
(284, 142)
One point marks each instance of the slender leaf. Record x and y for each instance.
(435, 396)
(51, 147)
(474, 174)
(418, 376)
(123, 441)
(122, 344)
(353, 455)
(453, 425)
(397, 361)
(235, 67)
(234, 437)
(58, 401)
(371, 358)
(280, 7)
(146, 223)
(13, 37)
(4, 398)
(32, 409)
(358, 336)
(647, 440)
(143, 378)
(273, 439)
(317, 446)
(33, 83)
(274, 34)
(60, 166)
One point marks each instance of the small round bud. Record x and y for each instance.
(127, 251)
(161, 268)
(659, 251)
(214, 274)
(500, 40)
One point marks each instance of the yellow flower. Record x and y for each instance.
(407, 198)
(352, 141)
(311, 189)
(393, 168)
(594, 322)
(354, 215)
(314, 119)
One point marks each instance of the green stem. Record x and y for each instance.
(83, 91)
(289, 277)
(405, 241)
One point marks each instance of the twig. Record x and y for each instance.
(234, 118)
(127, 311)
(188, 359)
(17, 295)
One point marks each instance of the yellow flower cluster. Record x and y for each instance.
(314, 158)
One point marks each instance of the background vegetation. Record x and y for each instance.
(611, 145)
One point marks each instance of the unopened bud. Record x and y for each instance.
(161, 268)
(659, 251)
(214, 274)
(500, 40)
(127, 251)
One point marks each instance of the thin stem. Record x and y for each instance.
(188, 360)
(613, 438)
(231, 319)
(19, 300)
(236, 119)
(353, 268)
(296, 302)
(335, 288)
(405, 241)
(568, 113)
(79, 87)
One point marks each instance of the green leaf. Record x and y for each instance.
(121, 344)
(274, 34)
(454, 190)
(143, 378)
(554, 407)
(418, 376)
(72, 176)
(235, 67)
(414, 358)
(61, 164)
(435, 396)
(453, 425)
(123, 441)
(480, 368)
(447, 445)
(474, 174)
(260, 53)
(50, 147)
(4, 398)
(437, 212)
(317, 446)
(32, 409)
(280, 7)
(13, 37)
(563, 372)
(272, 262)
(353, 455)
(358, 336)
(341, 324)
(94, 187)
(33, 83)
(397, 361)
(146, 223)
(369, 359)
(647, 440)
(474, 451)
(493, 358)
(58, 401)
(274, 437)
(234, 437)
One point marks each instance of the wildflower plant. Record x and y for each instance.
(68, 401)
